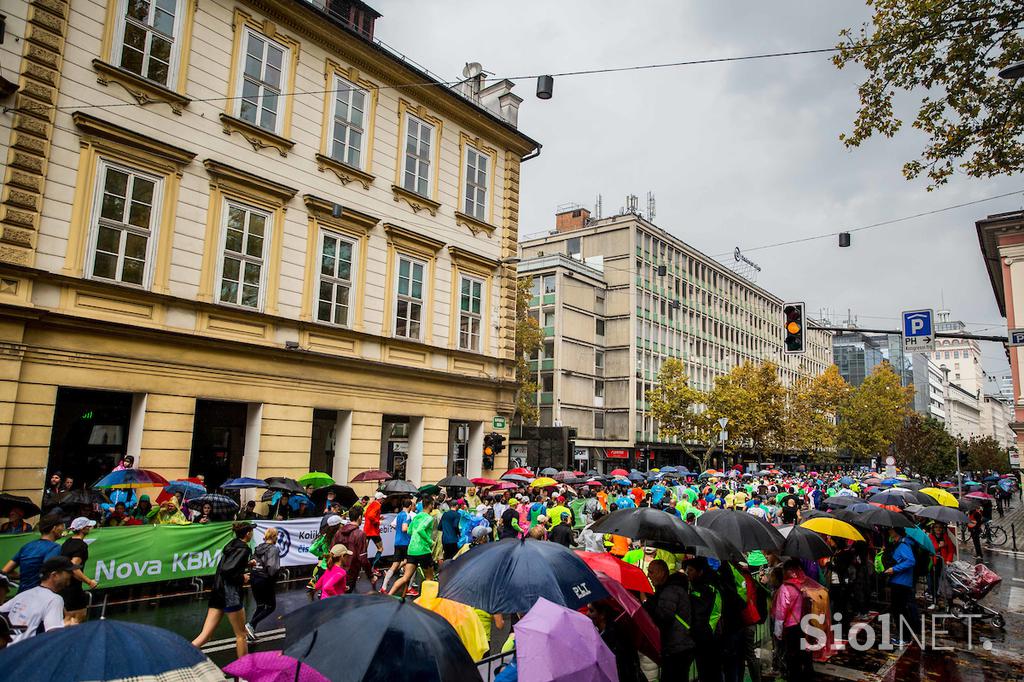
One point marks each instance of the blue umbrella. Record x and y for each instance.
(243, 482)
(921, 538)
(846, 480)
(1006, 484)
(621, 481)
(891, 481)
(668, 470)
(636, 476)
(186, 488)
(107, 650)
(990, 478)
(509, 576)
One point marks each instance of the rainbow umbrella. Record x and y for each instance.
(461, 617)
(131, 478)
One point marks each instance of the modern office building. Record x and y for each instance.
(242, 237)
(856, 355)
(929, 390)
(963, 411)
(617, 297)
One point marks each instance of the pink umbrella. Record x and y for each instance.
(978, 495)
(502, 485)
(646, 637)
(272, 666)
(556, 644)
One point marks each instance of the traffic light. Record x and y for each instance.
(497, 443)
(489, 444)
(793, 328)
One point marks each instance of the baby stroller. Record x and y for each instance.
(969, 584)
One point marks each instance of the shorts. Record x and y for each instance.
(375, 539)
(448, 550)
(227, 598)
(421, 560)
(401, 552)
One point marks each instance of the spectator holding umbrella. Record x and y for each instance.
(945, 553)
(52, 494)
(16, 522)
(706, 610)
(670, 610)
(901, 583)
(627, 661)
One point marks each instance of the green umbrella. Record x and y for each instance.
(429, 489)
(316, 479)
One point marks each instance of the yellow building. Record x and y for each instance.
(244, 238)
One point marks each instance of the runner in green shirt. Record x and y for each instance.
(421, 545)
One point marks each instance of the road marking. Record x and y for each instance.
(225, 647)
(1016, 600)
(1017, 580)
(229, 642)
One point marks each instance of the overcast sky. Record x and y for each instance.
(740, 154)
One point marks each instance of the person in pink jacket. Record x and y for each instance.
(334, 579)
(787, 611)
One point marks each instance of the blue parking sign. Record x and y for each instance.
(918, 330)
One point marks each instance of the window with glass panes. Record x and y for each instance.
(418, 142)
(335, 278)
(349, 123)
(409, 306)
(245, 233)
(147, 38)
(476, 183)
(124, 224)
(470, 294)
(262, 81)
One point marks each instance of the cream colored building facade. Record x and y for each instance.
(618, 296)
(242, 238)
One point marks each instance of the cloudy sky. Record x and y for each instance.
(740, 154)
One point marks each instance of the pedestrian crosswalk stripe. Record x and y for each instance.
(1016, 599)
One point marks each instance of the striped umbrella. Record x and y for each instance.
(220, 505)
(131, 478)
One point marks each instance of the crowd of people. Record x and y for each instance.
(707, 610)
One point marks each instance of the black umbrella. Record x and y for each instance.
(718, 547)
(374, 638)
(455, 481)
(852, 518)
(285, 485)
(515, 478)
(911, 485)
(548, 471)
(944, 514)
(802, 543)
(894, 497)
(343, 494)
(8, 502)
(509, 576)
(884, 518)
(841, 501)
(82, 497)
(745, 530)
(652, 525)
(220, 505)
(815, 513)
(397, 487)
(923, 499)
(636, 476)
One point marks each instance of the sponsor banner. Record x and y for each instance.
(294, 538)
(616, 454)
(131, 555)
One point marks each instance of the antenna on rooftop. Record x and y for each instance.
(597, 208)
(650, 206)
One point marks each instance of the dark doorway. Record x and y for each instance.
(218, 441)
(394, 444)
(458, 447)
(322, 443)
(90, 433)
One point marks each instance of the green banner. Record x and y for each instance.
(131, 555)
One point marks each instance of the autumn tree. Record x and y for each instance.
(528, 339)
(945, 54)
(812, 410)
(872, 415)
(984, 454)
(680, 411)
(752, 397)
(924, 447)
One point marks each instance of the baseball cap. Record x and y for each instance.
(481, 531)
(333, 520)
(378, 495)
(81, 522)
(340, 550)
(481, 508)
(54, 564)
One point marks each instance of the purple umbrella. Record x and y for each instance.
(556, 644)
(272, 666)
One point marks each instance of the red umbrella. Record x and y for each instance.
(501, 485)
(372, 475)
(519, 471)
(594, 484)
(483, 481)
(978, 495)
(564, 475)
(629, 576)
(619, 472)
(646, 637)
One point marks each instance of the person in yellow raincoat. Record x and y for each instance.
(168, 514)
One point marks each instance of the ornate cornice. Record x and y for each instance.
(345, 172)
(256, 136)
(142, 90)
(247, 183)
(351, 220)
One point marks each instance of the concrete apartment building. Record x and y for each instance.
(616, 297)
(220, 278)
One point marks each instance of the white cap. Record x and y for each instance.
(82, 522)
(378, 495)
(333, 520)
(481, 531)
(481, 508)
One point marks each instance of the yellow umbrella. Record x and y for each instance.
(463, 618)
(543, 482)
(942, 497)
(834, 527)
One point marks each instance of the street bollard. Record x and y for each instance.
(1013, 536)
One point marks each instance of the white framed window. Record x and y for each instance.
(409, 301)
(124, 227)
(477, 173)
(242, 267)
(145, 43)
(335, 278)
(348, 116)
(416, 164)
(598, 360)
(470, 305)
(261, 81)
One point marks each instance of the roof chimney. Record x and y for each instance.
(572, 219)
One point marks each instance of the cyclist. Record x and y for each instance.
(975, 520)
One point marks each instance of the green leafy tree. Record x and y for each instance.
(812, 410)
(752, 397)
(947, 53)
(985, 453)
(680, 411)
(528, 339)
(872, 415)
(924, 447)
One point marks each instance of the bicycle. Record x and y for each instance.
(991, 535)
